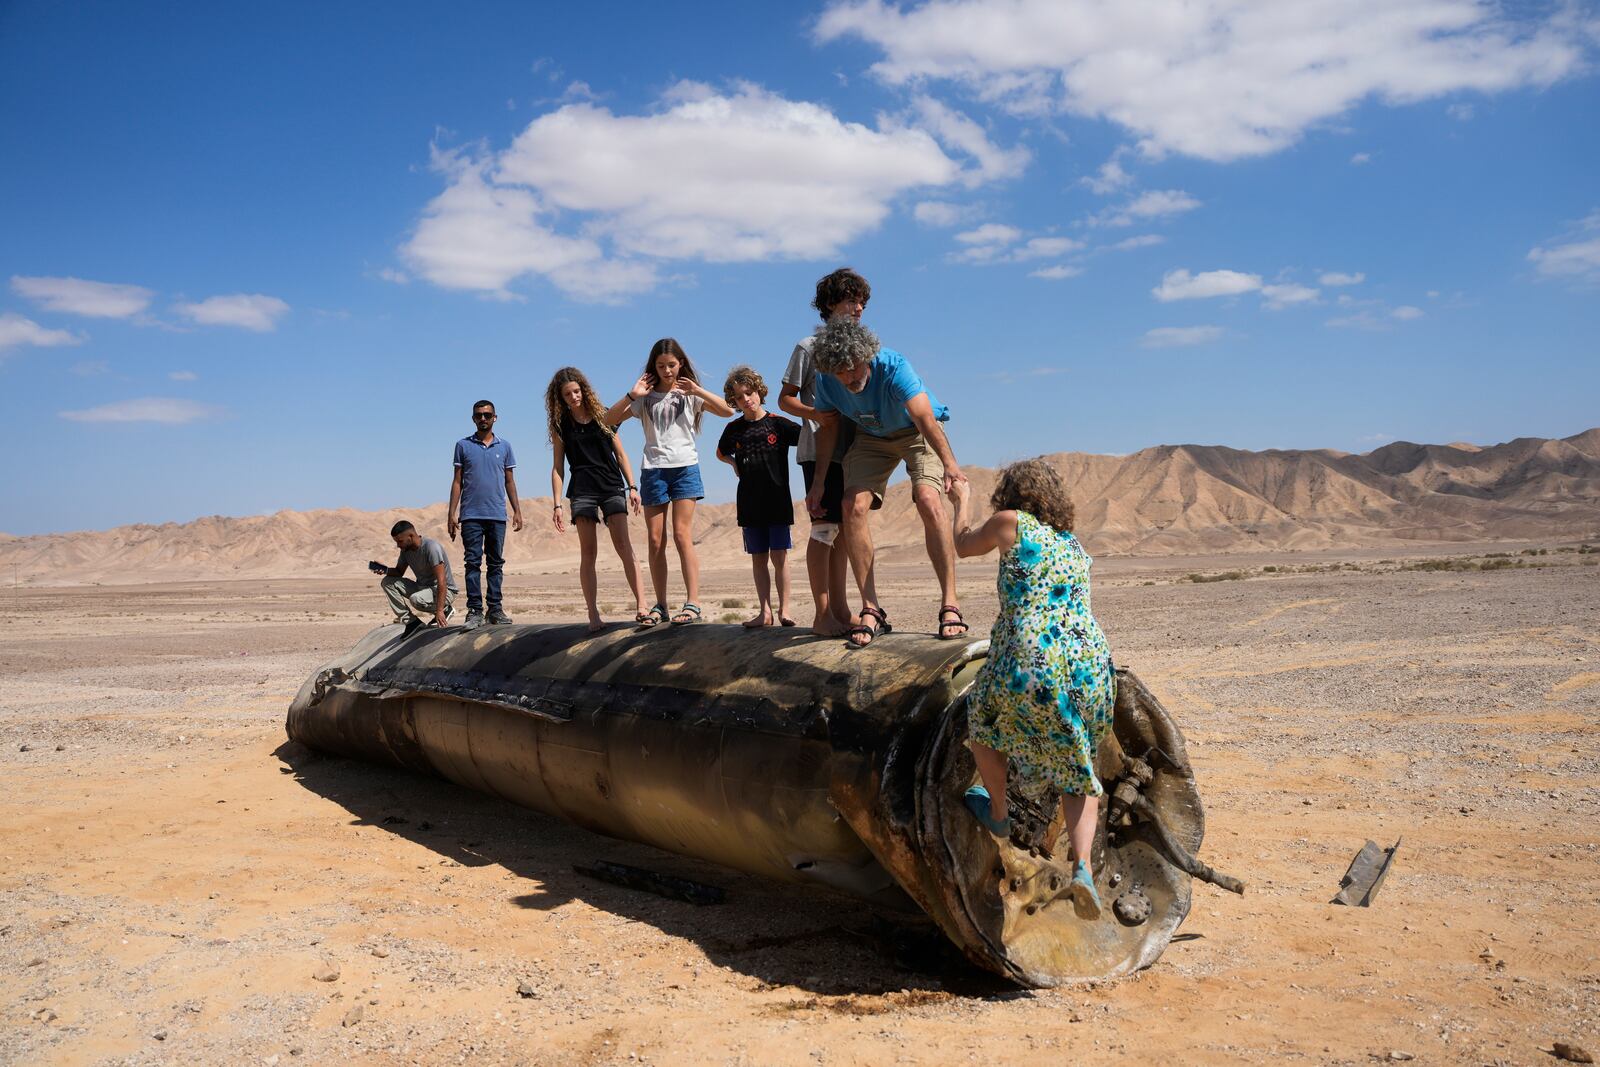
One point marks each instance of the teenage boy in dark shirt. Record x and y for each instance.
(756, 445)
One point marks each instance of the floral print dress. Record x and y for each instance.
(1045, 694)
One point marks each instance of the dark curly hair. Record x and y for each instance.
(842, 284)
(1034, 486)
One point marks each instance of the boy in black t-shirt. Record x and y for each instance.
(756, 445)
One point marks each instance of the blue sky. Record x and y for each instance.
(264, 257)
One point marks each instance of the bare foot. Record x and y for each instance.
(763, 619)
(596, 624)
(829, 626)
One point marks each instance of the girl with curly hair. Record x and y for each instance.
(668, 400)
(1044, 696)
(601, 487)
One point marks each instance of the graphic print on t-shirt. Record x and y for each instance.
(760, 449)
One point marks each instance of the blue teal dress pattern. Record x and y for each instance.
(1045, 695)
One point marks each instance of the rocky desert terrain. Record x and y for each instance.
(1167, 500)
(182, 886)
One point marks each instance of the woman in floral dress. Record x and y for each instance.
(1044, 696)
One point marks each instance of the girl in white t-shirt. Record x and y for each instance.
(668, 400)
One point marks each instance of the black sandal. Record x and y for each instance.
(653, 617)
(690, 612)
(870, 633)
(957, 621)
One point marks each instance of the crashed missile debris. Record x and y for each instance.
(779, 754)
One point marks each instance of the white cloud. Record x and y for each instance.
(990, 233)
(1460, 112)
(590, 199)
(1110, 178)
(942, 213)
(957, 131)
(398, 277)
(184, 376)
(1057, 273)
(1217, 79)
(1044, 247)
(1144, 240)
(1361, 320)
(477, 235)
(725, 178)
(166, 410)
(75, 296)
(16, 330)
(994, 242)
(1287, 294)
(1181, 285)
(1361, 159)
(1576, 255)
(1405, 313)
(1148, 205)
(90, 368)
(1180, 336)
(249, 311)
(1334, 278)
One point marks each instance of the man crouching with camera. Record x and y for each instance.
(430, 593)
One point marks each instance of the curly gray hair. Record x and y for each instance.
(842, 345)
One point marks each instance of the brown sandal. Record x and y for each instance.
(957, 621)
(869, 632)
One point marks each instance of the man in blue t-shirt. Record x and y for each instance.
(482, 485)
(897, 421)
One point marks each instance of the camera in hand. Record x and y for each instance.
(377, 568)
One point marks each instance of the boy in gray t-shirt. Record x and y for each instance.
(842, 293)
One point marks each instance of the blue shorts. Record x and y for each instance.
(759, 539)
(657, 485)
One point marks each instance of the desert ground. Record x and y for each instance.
(179, 883)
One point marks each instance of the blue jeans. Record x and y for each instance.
(480, 538)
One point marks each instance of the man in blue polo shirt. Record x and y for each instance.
(898, 421)
(479, 490)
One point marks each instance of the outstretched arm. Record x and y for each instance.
(619, 412)
(714, 403)
(998, 531)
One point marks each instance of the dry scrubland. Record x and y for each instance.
(181, 887)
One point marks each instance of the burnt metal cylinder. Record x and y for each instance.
(776, 753)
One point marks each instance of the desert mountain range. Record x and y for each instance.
(1167, 500)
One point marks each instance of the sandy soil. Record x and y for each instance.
(175, 877)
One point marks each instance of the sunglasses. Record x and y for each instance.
(483, 414)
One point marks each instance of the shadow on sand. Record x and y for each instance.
(780, 934)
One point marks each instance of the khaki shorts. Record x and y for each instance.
(871, 461)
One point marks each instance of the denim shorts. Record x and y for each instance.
(759, 539)
(657, 485)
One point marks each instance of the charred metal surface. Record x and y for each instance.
(1367, 872)
(784, 755)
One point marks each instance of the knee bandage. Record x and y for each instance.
(825, 532)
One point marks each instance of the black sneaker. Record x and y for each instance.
(413, 624)
(473, 621)
(498, 617)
